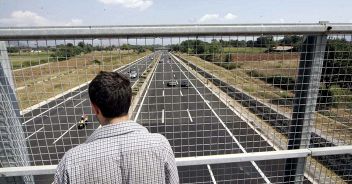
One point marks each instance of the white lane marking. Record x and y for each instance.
(226, 128)
(189, 115)
(31, 108)
(34, 133)
(174, 76)
(51, 108)
(211, 174)
(64, 133)
(162, 116)
(80, 102)
(163, 83)
(145, 94)
(163, 93)
(181, 93)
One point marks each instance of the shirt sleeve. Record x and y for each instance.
(171, 173)
(61, 174)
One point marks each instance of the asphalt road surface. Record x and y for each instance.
(51, 130)
(197, 123)
(194, 120)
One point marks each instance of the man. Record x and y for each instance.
(121, 151)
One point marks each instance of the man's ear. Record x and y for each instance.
(96, 109)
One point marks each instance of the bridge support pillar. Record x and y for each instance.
(13, 147)
(306, 94)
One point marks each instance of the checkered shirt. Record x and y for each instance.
(119, 153)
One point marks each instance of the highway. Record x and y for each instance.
(194, 120)
(51, 130)
(197, 123)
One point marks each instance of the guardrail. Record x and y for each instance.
(249, 66)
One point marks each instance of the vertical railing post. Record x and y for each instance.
(306, 94)
(13, 147)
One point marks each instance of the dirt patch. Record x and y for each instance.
(236, 57)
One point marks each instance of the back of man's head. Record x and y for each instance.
(111, 93)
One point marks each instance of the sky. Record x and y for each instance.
(151, 12)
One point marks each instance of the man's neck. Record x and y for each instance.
(116, 120)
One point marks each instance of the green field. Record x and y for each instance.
(244, 49)
(28, 59)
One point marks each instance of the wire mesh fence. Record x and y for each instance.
(208, 94)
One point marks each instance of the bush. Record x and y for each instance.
(283, 82)
(228, 65)
(325, 99)
(254, 73)
(95, 61)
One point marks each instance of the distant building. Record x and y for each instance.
(281, 49)
(36, 51)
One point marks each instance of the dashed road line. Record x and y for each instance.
(64, 133)
(189, 115)
(226, 128)
(181, 93)
(163, 116)
(34, 133)
(52, 108)
(80, 102)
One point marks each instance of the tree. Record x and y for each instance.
(213, 47)
(265, 41)
(337, 69)
(294, 41)
(13, 49)
(193, 46)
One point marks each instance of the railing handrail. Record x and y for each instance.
(201, 160)
(20, 33)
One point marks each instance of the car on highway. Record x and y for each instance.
(184, 84)
(172, 82)
(133, 74)
(83, 122)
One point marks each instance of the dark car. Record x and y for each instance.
(184, 84)
(172, 83)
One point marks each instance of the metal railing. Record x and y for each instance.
(278, 96)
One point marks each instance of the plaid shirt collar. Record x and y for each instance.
(113, 130)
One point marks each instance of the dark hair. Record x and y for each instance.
(112, 93)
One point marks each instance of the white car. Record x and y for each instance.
(133, 74)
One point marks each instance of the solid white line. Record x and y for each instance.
(211, 174)
(163, 116)
(189, 115)
(34, 133)
(51, 108)
(239, 114)
(163, 93)
(226, 128)
(64, 133)
(80, 102)
(181, 93)
(145, 94)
